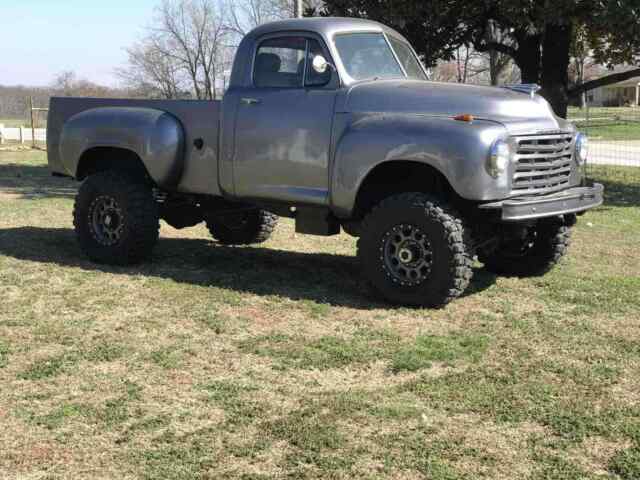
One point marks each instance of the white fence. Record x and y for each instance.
(21, 134)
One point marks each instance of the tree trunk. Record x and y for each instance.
(555, 64)
(528, 56)
(579, 64)
(494, 71)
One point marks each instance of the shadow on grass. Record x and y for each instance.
(34, 181)
(621, 185)
(621, 194)
(320, 277)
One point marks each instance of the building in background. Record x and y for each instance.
(622, 94)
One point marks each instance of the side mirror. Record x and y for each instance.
(320, 64)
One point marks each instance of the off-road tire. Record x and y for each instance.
(140, 218)
(450, 270)
(551, 243)
(256, 227)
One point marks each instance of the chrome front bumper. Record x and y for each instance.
(571, 200)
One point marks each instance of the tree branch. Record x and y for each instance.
(603, 81)
(495, 46)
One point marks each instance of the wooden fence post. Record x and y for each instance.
(33, 124)
(21, 134)
(1, 133)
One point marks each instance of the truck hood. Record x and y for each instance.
(518, 112)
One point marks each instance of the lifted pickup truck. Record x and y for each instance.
(332, 122)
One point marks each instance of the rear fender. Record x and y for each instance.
(156, 137)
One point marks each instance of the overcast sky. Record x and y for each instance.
(40, 38)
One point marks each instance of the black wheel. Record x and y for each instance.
(412, 251)
(242, 227)
(116, 219)
(534, 254)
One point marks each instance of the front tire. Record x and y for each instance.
(412, 251)
(243, 227)
(538, 252)
(116, 219)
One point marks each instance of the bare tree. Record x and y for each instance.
(177, 37)
(152, 74)
(444, 72)
(245, 15)
(185, 49)
(68, 84)
(463, 57)
(497, 62)
(211, 43)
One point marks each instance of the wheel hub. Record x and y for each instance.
(407, 256)
(106, 220)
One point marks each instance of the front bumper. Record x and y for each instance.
(572, 200)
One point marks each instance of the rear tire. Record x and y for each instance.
(548, 241)
(242, 228)
(412, 251)
(116, 219)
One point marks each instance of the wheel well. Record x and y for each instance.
(100, 159)
(394, 177)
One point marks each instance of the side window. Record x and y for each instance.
(408, 59)
(280, 62)
(313, 78)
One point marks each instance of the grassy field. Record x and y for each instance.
(275, 362)
(612, 131)
(608, 123)
(596, 112)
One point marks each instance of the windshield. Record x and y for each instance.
(368, 55)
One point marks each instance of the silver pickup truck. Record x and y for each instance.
(332, 122)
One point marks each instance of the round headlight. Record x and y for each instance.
(499, 158)
(582, 148)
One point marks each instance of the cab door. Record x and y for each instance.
(283, 123)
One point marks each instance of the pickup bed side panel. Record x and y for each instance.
(457, 149)
(199, 120)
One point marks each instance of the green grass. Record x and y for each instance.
(626, 463)
(612, 132)
(4, 354)
(364, 347)
(607, 123)
(614, 113)
(276, 362)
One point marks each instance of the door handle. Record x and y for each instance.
(250, 101)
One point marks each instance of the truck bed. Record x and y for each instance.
(200, 120)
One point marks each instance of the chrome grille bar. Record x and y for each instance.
(543, 163)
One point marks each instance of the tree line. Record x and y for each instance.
(14, 100)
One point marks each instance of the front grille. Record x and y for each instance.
(543, 163)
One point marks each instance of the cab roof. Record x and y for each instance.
(324, 26)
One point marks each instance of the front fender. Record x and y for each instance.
(157, 137)
(456, 149)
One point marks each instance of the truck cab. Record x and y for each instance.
(333, 122)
